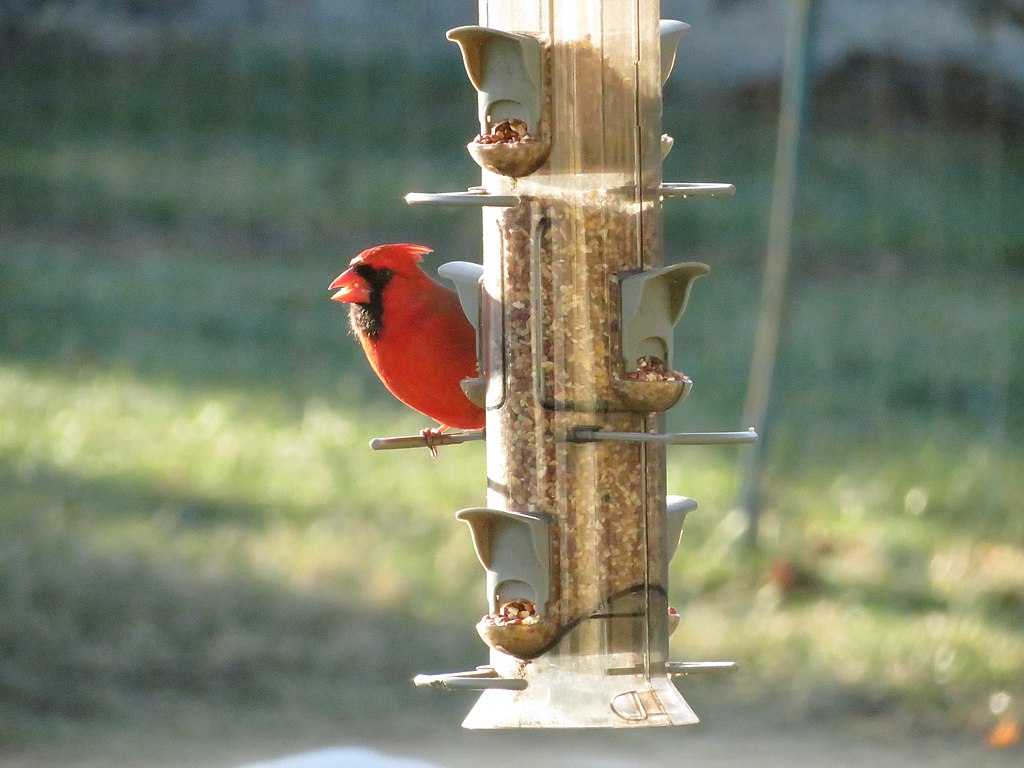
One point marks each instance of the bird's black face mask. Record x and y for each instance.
(368, 318)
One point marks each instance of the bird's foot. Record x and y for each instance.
(430, 435)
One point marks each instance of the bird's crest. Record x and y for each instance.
(391, 255)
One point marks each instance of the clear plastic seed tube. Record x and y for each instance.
(552, 354)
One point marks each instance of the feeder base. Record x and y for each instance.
(560, 697)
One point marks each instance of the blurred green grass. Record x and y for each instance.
(189, 511)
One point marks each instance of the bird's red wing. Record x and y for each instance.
(427, 348)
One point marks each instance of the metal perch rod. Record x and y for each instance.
(469, 197)
(479, 196)
(418, 441)
(680, 668)
(480, 679)
(697, 189)
(589, 434)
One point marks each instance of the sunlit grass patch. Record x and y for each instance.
(297, 496)
(172, 542)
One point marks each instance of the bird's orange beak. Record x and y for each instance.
(351, 288)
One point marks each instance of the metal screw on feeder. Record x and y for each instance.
(575, 316)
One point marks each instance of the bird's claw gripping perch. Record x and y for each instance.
(430, 436)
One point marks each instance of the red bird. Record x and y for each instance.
(414, 334)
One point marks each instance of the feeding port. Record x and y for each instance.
(576, 315)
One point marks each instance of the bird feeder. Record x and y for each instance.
(576, 316)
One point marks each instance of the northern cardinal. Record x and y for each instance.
(414, 334)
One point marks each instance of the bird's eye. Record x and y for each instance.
(385, 274)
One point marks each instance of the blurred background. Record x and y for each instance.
(198, 548)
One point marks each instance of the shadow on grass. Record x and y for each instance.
(91, 632)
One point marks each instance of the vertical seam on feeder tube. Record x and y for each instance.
(638, 199)
(638, 148)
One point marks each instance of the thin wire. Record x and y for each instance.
(638, 194)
